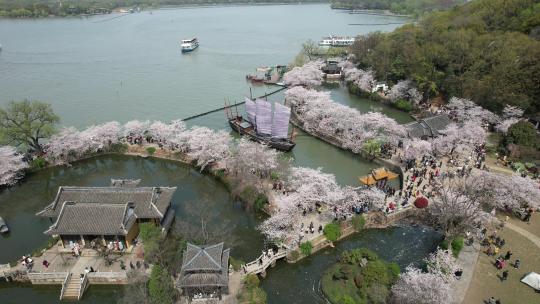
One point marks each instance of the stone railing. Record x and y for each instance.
(47, 277)
(108, 277)
(64, 285)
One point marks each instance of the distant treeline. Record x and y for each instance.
(484, 50)
(44, 8)
(410, 7)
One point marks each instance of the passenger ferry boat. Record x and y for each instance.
(336, 41)
(189, 45)
(261, 126)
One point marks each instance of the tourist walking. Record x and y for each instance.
(517, 263)
(508, 255)
(505, 275)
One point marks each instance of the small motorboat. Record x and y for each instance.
(3, 226)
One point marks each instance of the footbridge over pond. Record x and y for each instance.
(267, 259)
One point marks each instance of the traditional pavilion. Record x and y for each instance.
(107, 214)
(429, 127)
(205, 271)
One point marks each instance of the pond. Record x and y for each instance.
(98, 69)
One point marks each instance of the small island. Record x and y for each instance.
(360, 276)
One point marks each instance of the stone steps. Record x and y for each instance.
(71, 291)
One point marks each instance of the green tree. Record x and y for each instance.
(372, 146)
(25, 123)
(306, 248)
(522, 133)
(311, 49)
(332, 231)
(160, 286)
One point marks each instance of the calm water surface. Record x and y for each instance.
(98, 69)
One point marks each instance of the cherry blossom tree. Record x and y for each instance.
(405, 90)
(460, 138)
(458, 207)
(136, 128)
(365, 80)
(166, 133)
(71, 144)
(312, 186)
(506, 192)
(431, 287)
(510, 111)
(505, 124)
(415, 286)
(465, 110)
(282, 224)
(66, 146)
(248, 156)
(11, 166)
(353, 197)
(442, 263)
(416, 148)
(309, 75)
(205, 145)
(320, 114)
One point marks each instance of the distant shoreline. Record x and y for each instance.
(120, 10)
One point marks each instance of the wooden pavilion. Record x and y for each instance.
(205, 271)
(377, 175)
(103, 215)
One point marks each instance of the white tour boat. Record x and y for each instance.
(336, 41)
(189, 45)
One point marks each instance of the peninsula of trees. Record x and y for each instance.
(410, 7)
(486, 50)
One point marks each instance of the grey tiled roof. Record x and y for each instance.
(203, 257)
(437, 123)
(429, 127)
(149, 202)
(92, 218)
(204, 266)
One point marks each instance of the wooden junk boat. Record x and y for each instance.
(261, 126)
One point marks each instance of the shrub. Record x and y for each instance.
(151, 150)
(118, 148)
(444, 245)
(372, 146)
(403, 105)
(236, 264)
(376, 271)
(306, 248)
(160, 286)
(457, 245)
(260, 202)
(295, 255)
(355, 256)
(378, 293)
(522, 133)
(39, 163)
(394, 270)
(252, 293)
(346, 300)
(274, 176)
(332, 231)
(358, 222)
(251, 280)
(249, 194)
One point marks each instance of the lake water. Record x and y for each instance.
(98, 69)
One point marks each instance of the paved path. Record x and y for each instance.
(533, 238)
(466, 261)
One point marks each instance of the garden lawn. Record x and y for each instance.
(485, 282)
